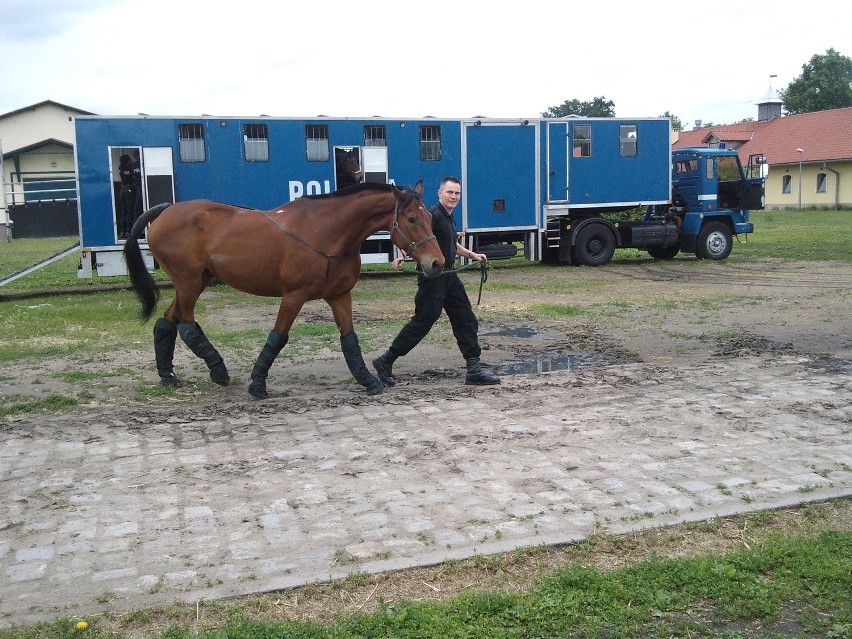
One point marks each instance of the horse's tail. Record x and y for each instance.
(143, 283)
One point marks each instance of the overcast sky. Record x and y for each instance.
(696, 60)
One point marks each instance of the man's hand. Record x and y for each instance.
(478, 257)
(397, 263)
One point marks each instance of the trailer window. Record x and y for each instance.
(375, 135)
(316, 142)
(628, 139)
(582, 141)
(710, 168)
(256, 141)
(821, 183)
(430, 142)
(787, 184)
(686, 166)
(191, 138)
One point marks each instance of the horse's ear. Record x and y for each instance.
(418, 188)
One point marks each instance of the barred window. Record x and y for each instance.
(628, 137)
(430, 142)
(256, 141)
(787, 185)
(375, 135)
(316, 141)
(582, 141)
(821, 183)
(191, 139)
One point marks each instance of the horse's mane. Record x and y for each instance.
(358, 188)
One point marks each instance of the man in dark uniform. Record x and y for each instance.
(126, 197)
(136, 167)
(443, 293)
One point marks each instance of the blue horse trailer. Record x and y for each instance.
(524, 181)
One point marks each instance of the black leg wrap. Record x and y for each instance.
(165, 335)
(478, 376)
(355, 362)
(270, 350)
(201, 346)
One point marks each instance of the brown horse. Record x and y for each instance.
(347, 167)
(305, 250)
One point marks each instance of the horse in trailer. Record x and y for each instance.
(348, 167)
(304, 250)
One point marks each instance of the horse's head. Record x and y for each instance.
(412, 230)
(348, 167)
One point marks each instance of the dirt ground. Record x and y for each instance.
(627, 325)
(675, 314)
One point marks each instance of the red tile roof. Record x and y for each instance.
(824, 136)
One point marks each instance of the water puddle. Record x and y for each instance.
(559, 361)
(504, 330)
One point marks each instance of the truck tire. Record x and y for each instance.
(502, 251)
(663, 252)
(714, 241)
(595, 245)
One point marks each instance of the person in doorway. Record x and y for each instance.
(136, 167)
(443, 293)
(126, 197)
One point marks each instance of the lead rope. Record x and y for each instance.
(483, 277)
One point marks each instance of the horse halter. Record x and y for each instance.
(412, 246)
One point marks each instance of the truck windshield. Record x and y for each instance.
(729, 169)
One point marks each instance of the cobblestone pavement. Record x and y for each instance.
(120, 508)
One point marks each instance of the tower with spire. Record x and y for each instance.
(769, 106)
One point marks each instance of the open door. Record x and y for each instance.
(158, 172)
(375, 164)
(142, 177)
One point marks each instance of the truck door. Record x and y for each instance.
(499, 176)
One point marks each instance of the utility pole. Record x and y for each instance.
(801, 152)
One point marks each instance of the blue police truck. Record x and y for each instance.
(551, 187)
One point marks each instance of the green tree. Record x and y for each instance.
(597, 108)
(677, 125)
(825, 83)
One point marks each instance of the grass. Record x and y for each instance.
(799, 235)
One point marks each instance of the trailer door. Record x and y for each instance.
(499, 176)
(158, 172)
(557, 161)
(375, 164)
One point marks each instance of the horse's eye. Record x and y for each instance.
(412, 219)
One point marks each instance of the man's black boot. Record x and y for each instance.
(384, 368)
(478, 376)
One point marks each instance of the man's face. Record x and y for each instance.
(449, 195)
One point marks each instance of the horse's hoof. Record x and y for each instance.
(170, 381)
(219, 374)
(375, 389)
(258, 392)
(222, 380)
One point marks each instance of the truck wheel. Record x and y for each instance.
(595, 245)
(714, 241)
(663, 252)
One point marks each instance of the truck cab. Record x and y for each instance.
(712, 196)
